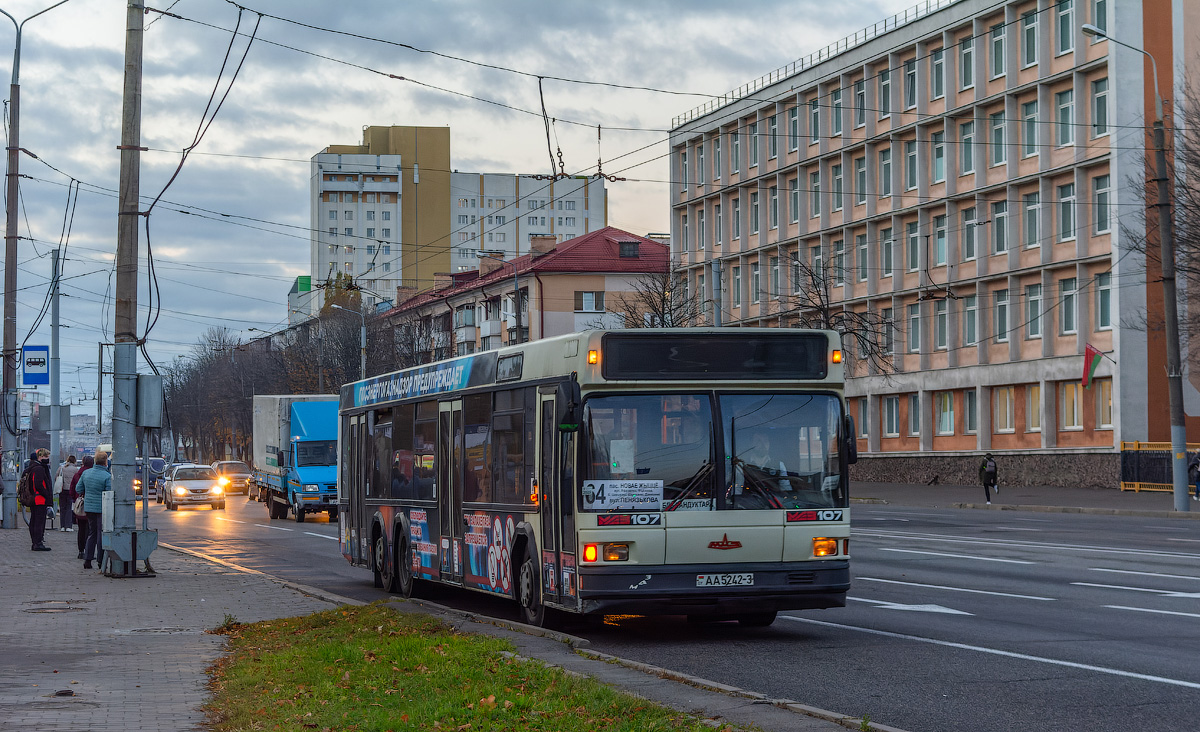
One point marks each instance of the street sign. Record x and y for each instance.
(36, 362)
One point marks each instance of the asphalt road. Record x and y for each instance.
(956, 620)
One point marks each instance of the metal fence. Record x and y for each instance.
(1146, 466)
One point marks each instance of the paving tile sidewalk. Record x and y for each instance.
(132, 651)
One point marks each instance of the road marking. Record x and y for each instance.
(323, 536)
(1172, 538)
(1167, 528)
(1012, 528)
(1017, 543)
(1040, 521)
(232, 521)
(1147, 610)
(1161, 593)
(1144, 574)
(997, 652)
(953, 589)
(885, 518)
(956, 556)
(885, 605)
(277, 528)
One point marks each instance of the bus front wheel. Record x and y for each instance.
(529, 585)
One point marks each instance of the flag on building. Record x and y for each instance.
(1091, 361)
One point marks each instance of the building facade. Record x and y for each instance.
(971, 174)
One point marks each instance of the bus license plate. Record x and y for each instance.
(724, 580)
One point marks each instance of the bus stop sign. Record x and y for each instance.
(36, 363)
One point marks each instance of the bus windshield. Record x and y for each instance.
(656, 452)
(318, 452)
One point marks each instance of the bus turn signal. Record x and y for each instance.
(593, 357)
(823, 547)
(590, 552)
(837, 356)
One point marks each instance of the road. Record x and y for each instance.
(957, 619)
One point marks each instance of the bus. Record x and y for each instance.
(699, 472)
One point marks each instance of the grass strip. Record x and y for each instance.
(373, 668)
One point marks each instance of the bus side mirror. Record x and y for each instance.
(568, 405)
(851, 441)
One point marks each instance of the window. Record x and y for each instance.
(914, 414)
(794, 128)
(914, 247)
(971, 412)
(685, 242)
(1033, 408)
(814, 194)
(772, 137)
(1029, 38)
(773, 263)
(938, 141)
(333, 247)
(910, 83)
(735, 152)
(910, 165)
(999, 154)
(754, 212)
(1001, 300)
(1066, 305)
(966, 63)
(968, 233)
(699, 229)
(531, 220)
(889, 331)
(332, 215)
(860, 103)
(1100, 107)
(1064, 104)
(1033, 311)
(463, 219)
(589, 302)
(349, 267)
(860, 181)
(997, 38)
(860, 267)
(1029, 129)
(737, 218)
(794, 199)
(628, 250)
(370, 233)
(1031, 229)
(716, 157)
(387, 249)
(814, 120)
(387, 215)
(1099, 16)
(1006, 418)
(835, 112)
(755, 283)
(1100, 206)
(862, 417)
(966, 137)
(349, 231)
(885, 252)
(773, 207)
(349, 249)
(885, 172)
(914, 328)
(885, 93)
(1066, 25)
(736, 286)
(999, 227)
(937, 74)
(970, 321)
(753, 142)
(699, 167)
(891, 416)
(1104, 301)
(836, 174)
(939, 240)
(839, 262)
(1066, 212)
(719, 229)
(385, 233)
(348, 215)
(941, 324)
(944, 401)
(683, 170)
(370, 214)
(1104, 418)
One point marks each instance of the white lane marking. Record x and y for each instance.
(1144, 574)
(323, 536)
(1017, 543)
(885, 605)
(1147, 610)
(1167, 528)
(277, 528)
(997, 652)
(232, 521)
(885, 518)
(1160, 593)
(1040, 521)
(1012, 528)
(953, 589)
(956, 556)
(1172, 538)
(909, 513)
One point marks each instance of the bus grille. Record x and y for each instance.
(801, 578)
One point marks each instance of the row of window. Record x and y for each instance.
(495, 237)
(368, 178)
(348, 215)
(349, 231)
(351, 197)
(530, 203)
(348, 267)
(384, 249)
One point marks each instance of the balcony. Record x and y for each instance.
(465, 333)
(491, 328)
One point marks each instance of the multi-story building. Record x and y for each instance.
(501, 213)
(971, 173)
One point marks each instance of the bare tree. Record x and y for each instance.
(655, 300)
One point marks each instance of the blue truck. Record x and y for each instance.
(295, 454)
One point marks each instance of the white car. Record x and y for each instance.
(193, 485)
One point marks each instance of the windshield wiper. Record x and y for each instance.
(704, 470)
(755, 482)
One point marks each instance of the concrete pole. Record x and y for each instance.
(55, 399)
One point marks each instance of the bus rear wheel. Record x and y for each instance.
(403, 574)
(757, 620)
(385, 575)
(529, 588)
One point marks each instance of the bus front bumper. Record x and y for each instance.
(674, 590)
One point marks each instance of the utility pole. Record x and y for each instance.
(55, 408)
(9, 449)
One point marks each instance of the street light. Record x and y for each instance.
(362, 350)
(516, 290)
(1166, 240)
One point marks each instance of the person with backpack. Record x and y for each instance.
(988, 474)
(36, 491)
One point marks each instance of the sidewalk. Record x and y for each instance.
(1026, 498)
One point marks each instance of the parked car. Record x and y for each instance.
(193, 485)
(151, 479)
(235, 473)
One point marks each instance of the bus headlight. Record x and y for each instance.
(616, 552)
(311, 487)
(824, 547)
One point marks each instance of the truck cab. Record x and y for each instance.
(303, 478)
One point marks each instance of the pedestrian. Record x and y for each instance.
(988, 474)
(1193, 473)
(92, 485)
(43, 498)
(62, 483)
(82, 534)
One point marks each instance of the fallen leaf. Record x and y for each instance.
(507, 704)
(346, 676)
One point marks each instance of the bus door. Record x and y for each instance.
(354, 482)
(450, 477)
(549, 496)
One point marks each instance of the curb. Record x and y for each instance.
(1186, 515)
(572, 641)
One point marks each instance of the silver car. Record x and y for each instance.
(193, 485)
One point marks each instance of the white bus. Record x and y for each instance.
(698, 472)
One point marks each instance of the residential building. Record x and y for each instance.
(979, 189)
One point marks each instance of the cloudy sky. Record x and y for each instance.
(231, 233)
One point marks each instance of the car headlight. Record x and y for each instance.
(180, 491)
(223, 480)
(137, 482)
(311, 488)
(217, 488)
